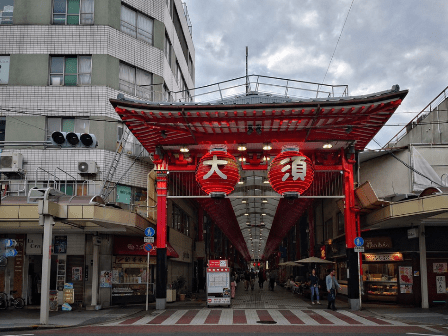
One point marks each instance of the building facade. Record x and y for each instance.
(61, 62)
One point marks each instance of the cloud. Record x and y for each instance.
(384, 43)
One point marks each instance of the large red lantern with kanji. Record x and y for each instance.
(291, 172)
(217, 172)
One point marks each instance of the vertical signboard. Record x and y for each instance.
(4, 69)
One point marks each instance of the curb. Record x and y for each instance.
(54, 326)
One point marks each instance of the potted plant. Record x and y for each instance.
(181, 281)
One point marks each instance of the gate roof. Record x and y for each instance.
(254, 119)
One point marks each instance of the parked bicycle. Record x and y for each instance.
(6, 301)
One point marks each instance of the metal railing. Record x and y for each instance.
(190, 26)
(433, 105)
(279, 87)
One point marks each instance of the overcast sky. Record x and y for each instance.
(384, 43)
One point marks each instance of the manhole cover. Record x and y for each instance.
(267, 322)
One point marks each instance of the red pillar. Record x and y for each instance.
(161, 267)
(162, 186)
(311, 230)
(349, 210)
(350, 230)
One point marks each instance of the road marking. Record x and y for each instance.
(424, 334)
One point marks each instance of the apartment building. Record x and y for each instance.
(60, 63)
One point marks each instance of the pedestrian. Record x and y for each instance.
(252, 279)
(232, 285)
(246, 280)
(331, 283)
(314, 286)
(272, 276)
(261, 278)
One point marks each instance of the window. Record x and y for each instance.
(67, 125)
(341, 223)
(168, 49)
(4, 69)
(135, 81)
(6, 12)
(70, 70)
(181, 220)
(73, 12)
(136, 24)
(2, 128)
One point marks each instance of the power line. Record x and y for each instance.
(334, 51)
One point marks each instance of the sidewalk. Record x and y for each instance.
(29, 319)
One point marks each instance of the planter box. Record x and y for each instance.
(170, 295)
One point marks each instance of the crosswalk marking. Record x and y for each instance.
(253, 316)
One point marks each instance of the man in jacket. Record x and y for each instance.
(331, 283)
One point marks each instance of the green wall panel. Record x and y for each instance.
(29, 69)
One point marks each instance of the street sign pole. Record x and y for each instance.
(360, 281)
(147, 281)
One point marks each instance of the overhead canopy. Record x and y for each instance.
(255, 120)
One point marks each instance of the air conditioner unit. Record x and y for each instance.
(11, 162)
(87, 167)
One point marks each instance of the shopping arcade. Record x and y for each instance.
(255, 120)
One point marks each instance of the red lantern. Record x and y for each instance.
(217, 172)
(291, 172)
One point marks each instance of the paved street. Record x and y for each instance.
(258, 311)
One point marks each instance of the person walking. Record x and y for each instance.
(261, 278)
(232, 285)
(331, 283)
(272, 276)
(314, 286)
(252, 279)
(246, 280)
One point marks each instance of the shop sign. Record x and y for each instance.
(377, 243)
(439, 267)
(60, 244)
(106, 279)
(130, 260)
(383, 257)
(34, 244)
(412, 233)
(217, 263)
(291, 171)
(405, 275)
(76, 273)
(406, 289)
(323, 253)
(124, 194)
(217, 300)
(441, 284)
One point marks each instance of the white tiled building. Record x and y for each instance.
(60, 63)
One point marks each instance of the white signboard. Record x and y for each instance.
(359, 248)
(217, 281)
(441, 284)
(148, 239)
(34, 244)
(4, 69)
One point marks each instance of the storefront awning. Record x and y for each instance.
(125, 245)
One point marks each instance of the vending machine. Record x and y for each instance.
(218, 283)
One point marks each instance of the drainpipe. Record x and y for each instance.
(47, 221)
(423, 266)
(95, 271)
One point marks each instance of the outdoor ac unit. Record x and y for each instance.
(11, 162)
(87, 167)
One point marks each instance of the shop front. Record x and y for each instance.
(128, 278)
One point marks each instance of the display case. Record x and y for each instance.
(125, 293)
(380, 281)
(129, 284)
(381, 290)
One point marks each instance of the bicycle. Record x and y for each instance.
(17, 303)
